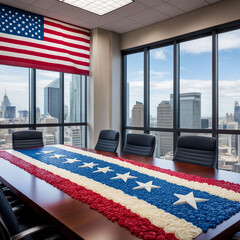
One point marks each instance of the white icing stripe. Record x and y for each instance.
(214, 190)
(181, 228)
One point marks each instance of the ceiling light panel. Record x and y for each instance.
(99, 7)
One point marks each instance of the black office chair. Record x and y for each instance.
(10, 227)
(107, 141)
(27, 139)
(140, 144)
(196, 150)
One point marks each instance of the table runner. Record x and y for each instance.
(153, 203)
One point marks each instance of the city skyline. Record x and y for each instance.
(195, 73)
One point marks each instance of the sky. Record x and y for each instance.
(195, 73)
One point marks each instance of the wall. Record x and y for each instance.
(104, 84)
(212, 15)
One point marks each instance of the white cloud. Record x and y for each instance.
(161, 86)
(47, 74)
(230, 40)
(159, 54)
(158, 75)
(226, 41)
(197, 46)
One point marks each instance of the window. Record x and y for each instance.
(75, 136)
(164, 144)
(190, 86)
(229, 79)
(74, 98)
(161, 87)
(49, 96)
(134, 90)
(40, 95)
(14, 96)
(196, 83)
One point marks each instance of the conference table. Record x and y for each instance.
(77, 220)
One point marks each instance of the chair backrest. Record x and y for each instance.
(27, 139)
(7, 215)
(196, 150)
(4, 234)
(140, 144)
(107, 141)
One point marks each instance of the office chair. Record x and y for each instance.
(27, 139)
(107, 141)
(196, 150)
(140, 144)
(10, 227)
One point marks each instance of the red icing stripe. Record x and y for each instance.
(220, 183)
(141, 227)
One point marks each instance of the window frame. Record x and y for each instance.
(33, 125)
(175, 41)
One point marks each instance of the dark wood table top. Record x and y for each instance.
(77, 221)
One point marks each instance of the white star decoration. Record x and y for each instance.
(124, 176)
(46, 152)
(104, 170)
(90, 165)
(57, 156)
(148, 186)
(189, 199)
(71, 160)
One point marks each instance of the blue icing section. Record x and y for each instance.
(208, 215)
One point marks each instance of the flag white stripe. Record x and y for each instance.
(19, 46)
(43, 59)
(46, 26)
(45, 43)
(68, 40)
(66, 25)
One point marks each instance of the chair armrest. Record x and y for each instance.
(30, 231)
(236, 236)
(18, 208)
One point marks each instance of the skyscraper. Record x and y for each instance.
(237, 112)
(76, 104)
(137, 115)
(52, 96)
(38, 114)
(23, 113)
(50, 134)
(164, 120)
(76, 132)
(8, 111)
(190, 110)
(127, 105)
(5, 103)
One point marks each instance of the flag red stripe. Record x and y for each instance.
(66, 28)
(29, 63)
(45, 55)
(36, 45)
(66, 35)
(73, 45)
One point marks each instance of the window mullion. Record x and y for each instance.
(146, 90)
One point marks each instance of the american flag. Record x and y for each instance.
(33, 41)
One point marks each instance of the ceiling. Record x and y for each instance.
(133, 16)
